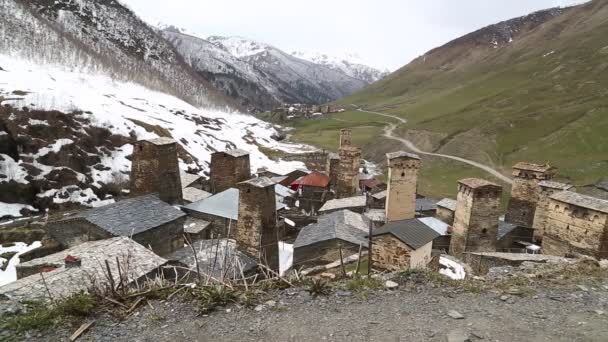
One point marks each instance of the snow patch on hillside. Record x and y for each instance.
(240, 47)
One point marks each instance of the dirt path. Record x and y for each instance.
(389, 133)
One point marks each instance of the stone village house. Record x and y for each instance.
(146, 219)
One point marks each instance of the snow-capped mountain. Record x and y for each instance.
(260, 75)
(350, 64)
(80, 82)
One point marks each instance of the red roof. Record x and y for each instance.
(316, 179)
(370, 183)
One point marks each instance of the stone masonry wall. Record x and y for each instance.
(445, 215)
(219, 225)
(572, 229)
(524, 196)
(333, 169)
(155, 168)
(164, 239)
(541, 214)
(401, 191)
(475, 226)
(345, 137)
(348, 175)
(226, 171)
(257, 233)
(73, 232)
(390, 254)
(322, 253)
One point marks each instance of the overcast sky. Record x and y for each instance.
(384, 33)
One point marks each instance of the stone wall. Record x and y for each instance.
(219, 225)
(444, 214)
(475, 226)
(525, 195)
(572, 229)
(401, 191)
(333, 169)
(322, 253)
(155, 169)
(226, 171)
(164, 239)
(73, 232)
(390, 254)
(257, 233)
(420, 258)
(347, 183)
(542, 212)
(312, 198)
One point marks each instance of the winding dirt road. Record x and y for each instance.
(389, 133)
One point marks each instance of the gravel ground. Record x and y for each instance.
(412, 312)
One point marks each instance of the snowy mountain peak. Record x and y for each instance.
(239, 46)
(351, 64)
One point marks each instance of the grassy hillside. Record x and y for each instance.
(534, 88)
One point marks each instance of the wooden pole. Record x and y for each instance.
(342, 261)
(369, 251)
(359, 259)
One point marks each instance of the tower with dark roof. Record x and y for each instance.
(229, 168)
(402, 179)
(525, 192)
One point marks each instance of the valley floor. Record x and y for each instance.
(414, 312)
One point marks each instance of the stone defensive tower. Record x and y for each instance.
(333, 168)
(543, 208)
(476, 218)
(525, 192)
(229, 168)
(345, 137)
(155, 168)
(402, 179)
(347, 183)
(257, 234)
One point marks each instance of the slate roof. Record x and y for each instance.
(380, 195)
(435, 224)
(161, 141)
(477, 183)
(224, 204)
(259, 182)
(344, 203)
(447, 203)
(278, 179)
(532, 167)
(412, 232)
(188, 178)
(132, 216)
(283, 191)
(236, 152)
(194, 194)
(376, 215)
(555, 185)
(504, 228)
(63, 282)
(195, 226)
(581, 201)
(227, 260)
(425, 204)
(401, 154)
(344, 225)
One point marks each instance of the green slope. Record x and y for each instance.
(542, 97)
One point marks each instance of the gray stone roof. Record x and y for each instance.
(259, 182)
(555, 185)
(505, 228)
(376, 215)
(447, 203)
(215, 258)
(380, 195)
(195, 226)
(63, 282)
(236, 152)
(581, 201)
(132, 216)
(425, 204)
(412, 232)
(188, 178)
(344, 225)
(161, 141)
(532, 167)
(478, 183)
(344, 203)
(402, 154)
(193, 194)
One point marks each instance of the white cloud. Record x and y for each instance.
(385, 33)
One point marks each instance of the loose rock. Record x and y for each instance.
(458, 335)
(455, 314)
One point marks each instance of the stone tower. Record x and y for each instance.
(347, 183)
(525, 192)
(475, 226)
(155, 168)
(345, 137)
(401, 192)
(541, 215)
(229, 168)
(257, 234)
(333, 168)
